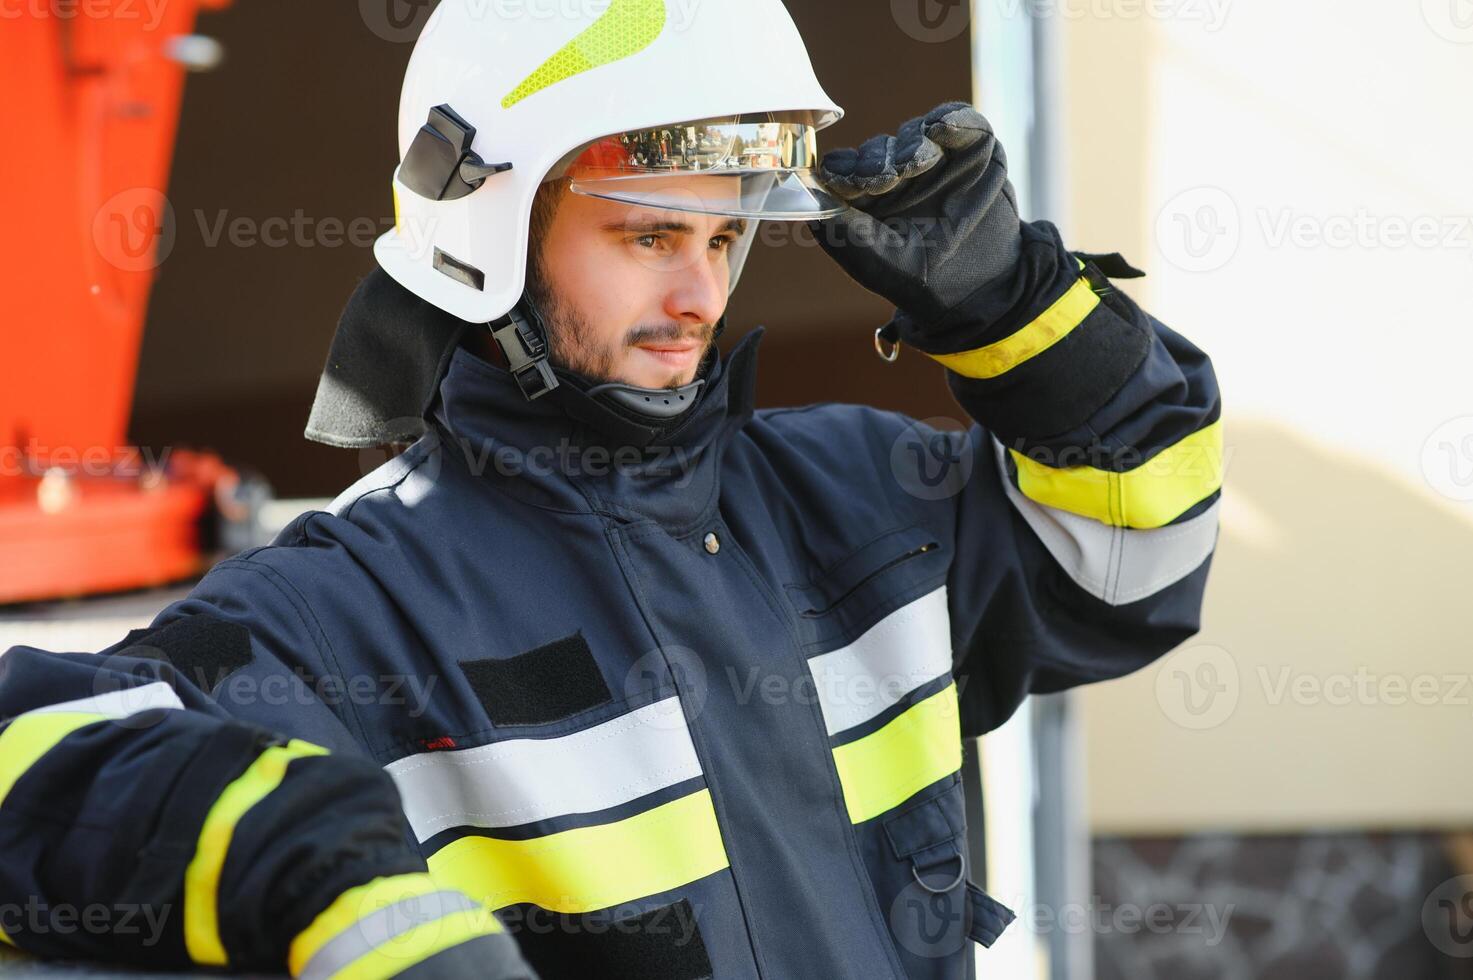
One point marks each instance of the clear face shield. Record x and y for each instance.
(754, 166)
(766, 163)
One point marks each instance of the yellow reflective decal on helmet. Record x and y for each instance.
(626, 28)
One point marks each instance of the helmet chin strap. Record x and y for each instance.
(522, 336)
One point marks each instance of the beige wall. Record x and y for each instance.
(1304, 144)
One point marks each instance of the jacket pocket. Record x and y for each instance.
(930, 836)
(847, 578)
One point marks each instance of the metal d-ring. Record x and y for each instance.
(961, 872)
(889, 357)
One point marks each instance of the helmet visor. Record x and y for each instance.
(747, 169)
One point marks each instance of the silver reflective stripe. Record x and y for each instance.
(898, 654)
(1115, 564)
(524, 779)
(372, 931)
(119, 704)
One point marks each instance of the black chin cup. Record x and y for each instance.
(655, 403)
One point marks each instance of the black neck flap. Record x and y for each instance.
(387, 356)
(392, 348)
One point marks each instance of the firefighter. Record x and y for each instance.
(610, 672)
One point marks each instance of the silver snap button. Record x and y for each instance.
(713, 543)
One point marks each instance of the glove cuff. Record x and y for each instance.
(1040, 353)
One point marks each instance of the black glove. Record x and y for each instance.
(933, 217)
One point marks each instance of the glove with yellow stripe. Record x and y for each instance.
(933, 227)
(138, 832)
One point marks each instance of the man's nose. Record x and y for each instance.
(698, 291)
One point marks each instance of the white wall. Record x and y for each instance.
(1322, 154)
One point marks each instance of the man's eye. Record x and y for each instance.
(647, 241)
(723, 241)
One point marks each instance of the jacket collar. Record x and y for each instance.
(566, 451)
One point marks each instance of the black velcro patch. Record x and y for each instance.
(543, 685)
(661, 944)
(202, 649)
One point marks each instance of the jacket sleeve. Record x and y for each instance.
(1087, 522)
(142, 824)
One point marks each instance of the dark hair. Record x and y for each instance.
(544, 210)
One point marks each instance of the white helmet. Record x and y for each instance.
(501, 95)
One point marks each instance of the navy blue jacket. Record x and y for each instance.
(670, 711)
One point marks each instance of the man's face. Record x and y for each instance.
(632, 293)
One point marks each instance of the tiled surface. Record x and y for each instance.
(1313, 907)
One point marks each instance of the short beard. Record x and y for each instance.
(570, 340)
(572, 345)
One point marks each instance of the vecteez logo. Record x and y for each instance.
(932, 21)
(1447, 459)
(1447, 917)
(932, 459)
(403, 21)
(1199, 230)
(135, 229)
(1198, 687)
(1451, 20)
(397, 21)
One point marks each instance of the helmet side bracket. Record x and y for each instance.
(440, 164)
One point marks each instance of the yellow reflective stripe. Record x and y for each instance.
(202, 877)
(887, 767)
(589, 868)
(30, 736)
(349, 907)
(626, 28)
(25, 740)
(419, 944)
(1151, 495)
(1051, 326)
